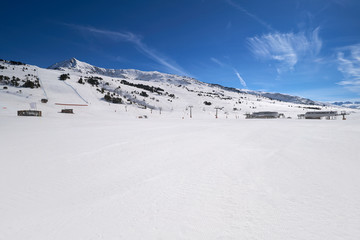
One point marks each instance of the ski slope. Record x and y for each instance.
(58, 91)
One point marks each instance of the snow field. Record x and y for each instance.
(111, 178)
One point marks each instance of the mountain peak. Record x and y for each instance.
(76, 65)
(73, 64)
(73, 60)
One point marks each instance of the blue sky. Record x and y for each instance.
(309, 48)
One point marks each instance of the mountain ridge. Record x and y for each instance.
(133, 74)
(155, 76)
(348, 104)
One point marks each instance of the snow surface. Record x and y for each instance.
(105, 173)
(115, 178)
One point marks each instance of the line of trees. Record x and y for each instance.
(12, 62)
(143, 86)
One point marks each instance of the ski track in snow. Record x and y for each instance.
(76, 92)
(41, 83)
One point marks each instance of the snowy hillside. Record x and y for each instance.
(79, 66)
(76, 82)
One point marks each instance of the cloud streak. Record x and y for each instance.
(253, 16)
(242, 81)
(227, 66)
(137, 41)
(218, 62)
(348, 59)
(286, 49)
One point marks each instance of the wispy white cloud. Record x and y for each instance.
(229, 66)
(217, 61)
(242, 81)
(349, 65)
(251, 15)
(137, 41)
(286, 48)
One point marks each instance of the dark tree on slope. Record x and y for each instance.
(110, 99)
(116, 100)
(64, 76)
(94, 81)
(31, 84)
(144, 94)
(107, 97)
(28, 84)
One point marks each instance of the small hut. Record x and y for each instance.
(31, 113)
(67, 110)
(262, 115)
(321, 115)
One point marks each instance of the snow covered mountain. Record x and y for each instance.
(348, 104)
(132, 74)
(275, 96)
(76, 82)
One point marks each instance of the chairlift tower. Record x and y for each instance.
(190, 107)
(216, 114)
(343, 113)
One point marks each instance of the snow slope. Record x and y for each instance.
(137, 90)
